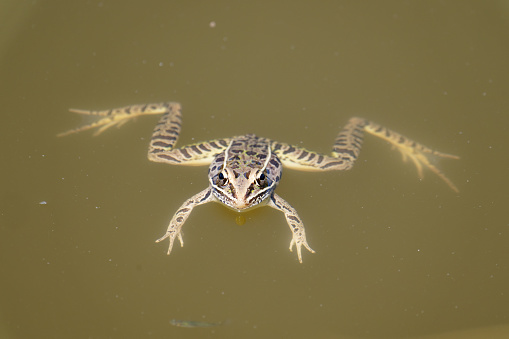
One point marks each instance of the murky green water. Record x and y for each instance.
(396, 257)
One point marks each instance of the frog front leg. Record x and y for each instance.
(180, 217)
(293, 220)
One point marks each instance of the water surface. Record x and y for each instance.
(396, 256)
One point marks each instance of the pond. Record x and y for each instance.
(396, 256)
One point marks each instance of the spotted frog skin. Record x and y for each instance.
(245, 170)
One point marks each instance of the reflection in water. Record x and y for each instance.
(240, 219)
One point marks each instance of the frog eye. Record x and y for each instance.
(261, 180)
(222, 178)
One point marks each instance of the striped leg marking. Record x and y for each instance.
(293, 220)
(347, 147)
(165, 136)
(178, 220)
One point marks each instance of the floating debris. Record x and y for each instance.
(195, 324)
